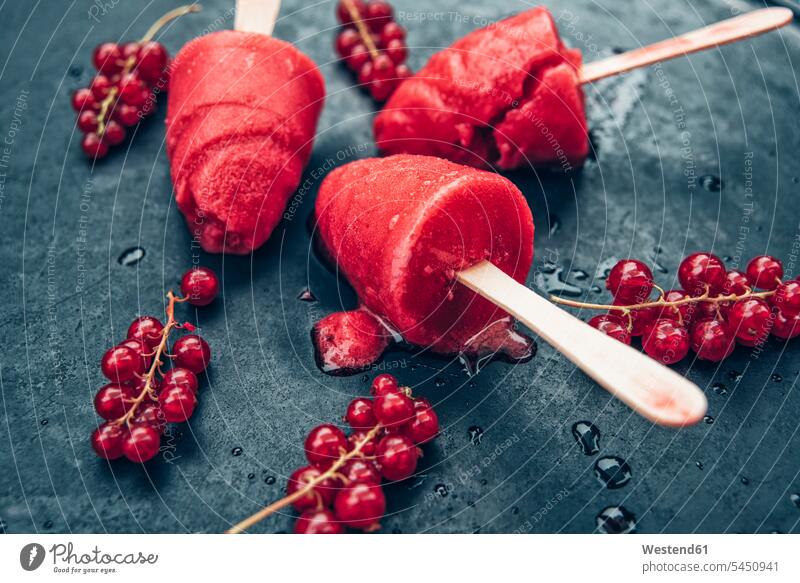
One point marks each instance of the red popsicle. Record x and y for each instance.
(399, 229)
(507, 95)
(243, 109)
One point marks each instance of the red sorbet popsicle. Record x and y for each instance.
(507, 95)
(243, 110)
(399, 228)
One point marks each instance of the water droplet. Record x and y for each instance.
(251, 476)
(596, 289)
(306, 296)
(745, 480)
(588, 437)
(44, 422)
(699, 465)
(612, 471)
(236, 451)
(131, 256)
(365, 378)
(616, 520)
(708, 419)
(604, 267)
(579, 274)
(735, 376)
(48, 524)
(795, 179)
(795, 499)
(711, 183)
(3, 526)
(269, 480)
(441, 490)
(475, 435)
(720, 389)
(76, 71)
(555, 225)
(554, 283)
(514, 510)
(776, 378)
(439, 382)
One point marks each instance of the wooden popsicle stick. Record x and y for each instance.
(648, 387)
(256, 15)
(721, 33)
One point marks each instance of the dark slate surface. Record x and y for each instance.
(729, 113)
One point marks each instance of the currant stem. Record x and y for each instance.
(362, 29)
(660, 303)
(110, 99)
(155, 366)
(287, 500)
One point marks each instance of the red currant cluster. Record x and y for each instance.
(341, 486)
(137, 404)
(372, 45)
(715, 309)
(129, 78)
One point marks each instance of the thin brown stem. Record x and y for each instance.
(660, 303)
(155, 366)
(361, 27)
(287, 500)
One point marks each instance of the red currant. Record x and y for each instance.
(636, 320)
(346, 40)
(378, 14)
(392, 31)
(180, 377)
(151, 415)
(100, 87)
(87, 121)
(368, 448)
(132, 90)
(130, 50)
(403, 72)
(785, 327)
(681, 313)
(764, 272)
(424, 426)
(321, 494)
(325, 444)
(151, 60)
(383, 77)
(360, 506)
(712, 340)
(359, 471)
(666, 341)
(343, 14)
(107, 58)
(787, 298)
(121, 364)
(107, 441)
(127, 115)
(357, 57)
(113, 401)
(393, 409)
(613, 326)
(84, 99)
(749, 320)
(317, 522)
(396, 50)
(384, 383)
(735, 283)
(148, 329)
(144, 351)
(192, 352)
(93, 146)
(200, 285)
(397, 457)
(177, 403)
(114, 133)
(630, 282)
(700, 272)
(709, 310)
(360, 414)
(141, 444)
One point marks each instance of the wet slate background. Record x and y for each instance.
(506, 460)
